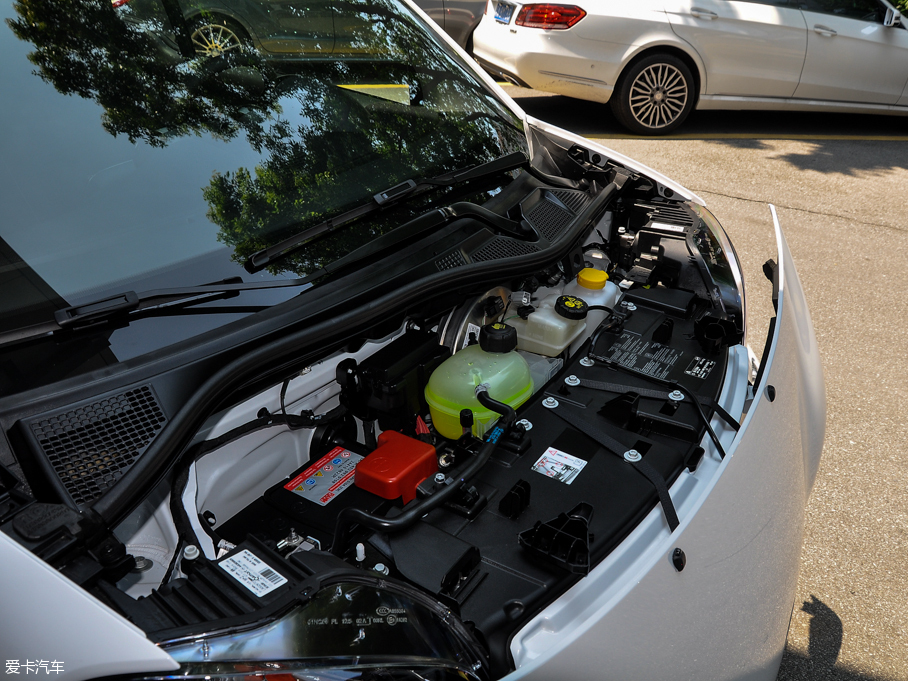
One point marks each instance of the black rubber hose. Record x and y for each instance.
(415, 510)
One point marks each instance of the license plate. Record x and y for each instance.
(503, 12)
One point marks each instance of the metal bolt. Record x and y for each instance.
(439, 478)
(572, 380)
(676, 396)
(527, 426)
(631, 307)
(550, 402)
(382, 568)
(143, 564)
(632, 456)
(587, 362)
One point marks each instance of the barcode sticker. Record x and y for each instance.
(253, 573)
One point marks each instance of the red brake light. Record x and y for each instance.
(549, 16)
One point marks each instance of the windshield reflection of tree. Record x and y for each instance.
(352, 144)
(149, 90)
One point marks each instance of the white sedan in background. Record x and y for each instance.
(654, 61)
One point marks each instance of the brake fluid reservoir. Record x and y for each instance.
(495, 362)
(593, 286)
(553, 326)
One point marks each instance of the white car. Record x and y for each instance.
(340, 366)
(654, 61)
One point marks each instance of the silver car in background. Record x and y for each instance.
(654, 61)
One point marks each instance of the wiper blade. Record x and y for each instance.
(128, 302)
(261, 259)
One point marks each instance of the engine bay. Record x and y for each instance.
(474, 462)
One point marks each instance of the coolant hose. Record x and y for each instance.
(350, 516)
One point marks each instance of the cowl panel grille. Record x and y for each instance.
(499, 248)
(549, 218)
(92, 446)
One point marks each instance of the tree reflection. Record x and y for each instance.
(148, 90)
(354, 142)
(329, 132)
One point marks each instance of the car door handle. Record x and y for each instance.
(703, 13)
(824, 30)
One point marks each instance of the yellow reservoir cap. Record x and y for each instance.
(592, 278)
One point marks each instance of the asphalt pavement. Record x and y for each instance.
(839, 183)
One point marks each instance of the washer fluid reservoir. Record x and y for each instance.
(495, 362)
(553, 326)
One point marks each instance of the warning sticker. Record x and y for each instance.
(700, 367)
(652, 359)
(253, 573)
(559, 465)
(471, 329)
(327, 477)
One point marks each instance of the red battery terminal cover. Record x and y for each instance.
(396, 467)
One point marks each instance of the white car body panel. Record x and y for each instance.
(636, 617)
(58, 620)
(748, 48)
(876, 67)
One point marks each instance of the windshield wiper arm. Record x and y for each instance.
(261, 259)
(104, 309)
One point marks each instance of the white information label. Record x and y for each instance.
(253, 573)
(559, 465)
(666, 227)
(471, 328)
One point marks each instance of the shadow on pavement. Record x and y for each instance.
(833, 156)
(822, 650)
(593, 119)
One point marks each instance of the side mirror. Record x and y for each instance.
(893, 18)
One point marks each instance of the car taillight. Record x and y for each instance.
(549, 16)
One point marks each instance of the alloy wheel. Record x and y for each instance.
(658, 96)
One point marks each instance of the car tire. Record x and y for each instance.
(654, 95)
(213, 36)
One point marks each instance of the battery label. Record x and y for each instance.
(253, 573)
(652, 359)
(327, 477)
(559, 465)
(700, 367)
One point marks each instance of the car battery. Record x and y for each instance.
(315, 494)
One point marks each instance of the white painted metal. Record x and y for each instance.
(57, 620)
(856, 61)
(772, 104)
(748, 48)
(726, 615)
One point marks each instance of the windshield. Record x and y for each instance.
(159, 143)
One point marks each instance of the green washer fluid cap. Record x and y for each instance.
(571, 307)
(498, 337)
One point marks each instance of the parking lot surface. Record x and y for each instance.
(839, 183)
